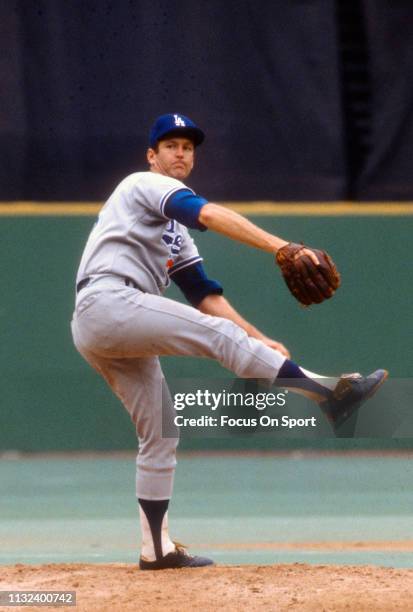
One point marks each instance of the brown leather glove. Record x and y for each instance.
(309, 283)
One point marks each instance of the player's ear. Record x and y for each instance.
(150, 155)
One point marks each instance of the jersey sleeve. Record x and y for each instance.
(184, 206)
(167, 198)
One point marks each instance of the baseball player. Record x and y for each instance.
(122, 323)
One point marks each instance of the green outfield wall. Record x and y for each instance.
(52, 400)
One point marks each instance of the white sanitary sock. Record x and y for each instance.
(327, 381)
(147, 547)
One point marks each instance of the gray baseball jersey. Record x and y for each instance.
(134, 238)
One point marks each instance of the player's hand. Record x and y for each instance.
(277, 346)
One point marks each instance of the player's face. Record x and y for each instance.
(174, 157)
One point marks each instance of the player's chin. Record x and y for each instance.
(179, 172)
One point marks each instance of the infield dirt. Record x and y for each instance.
(301, 587)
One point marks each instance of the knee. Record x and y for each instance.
(160, 453)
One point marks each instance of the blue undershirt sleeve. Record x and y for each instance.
(194, 283)
(184, 206)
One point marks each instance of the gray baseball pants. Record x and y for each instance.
(121, 331)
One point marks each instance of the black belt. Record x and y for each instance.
(85, 281)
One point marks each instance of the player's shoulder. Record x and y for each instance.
(153, 180)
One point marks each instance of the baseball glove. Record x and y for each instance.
(310, 283)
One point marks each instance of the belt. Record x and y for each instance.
(85, 281)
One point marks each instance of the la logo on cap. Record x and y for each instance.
(179, 122)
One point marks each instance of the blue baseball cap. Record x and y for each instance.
(174, 124)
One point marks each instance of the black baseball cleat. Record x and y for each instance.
(351, 391)
(176, 559)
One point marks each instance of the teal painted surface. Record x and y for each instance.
(52, 400)
(56, 510)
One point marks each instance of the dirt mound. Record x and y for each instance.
(114, 586)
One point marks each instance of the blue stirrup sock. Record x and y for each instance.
(155, 511)
(313, 386)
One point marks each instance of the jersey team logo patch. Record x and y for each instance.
(173, 241)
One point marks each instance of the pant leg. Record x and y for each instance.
(129, 323)
(121, 331)
(140, 385)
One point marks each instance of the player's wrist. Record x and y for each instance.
(278, 244)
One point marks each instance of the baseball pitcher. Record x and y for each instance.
(122, 322)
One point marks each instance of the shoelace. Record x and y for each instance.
(181, 548)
